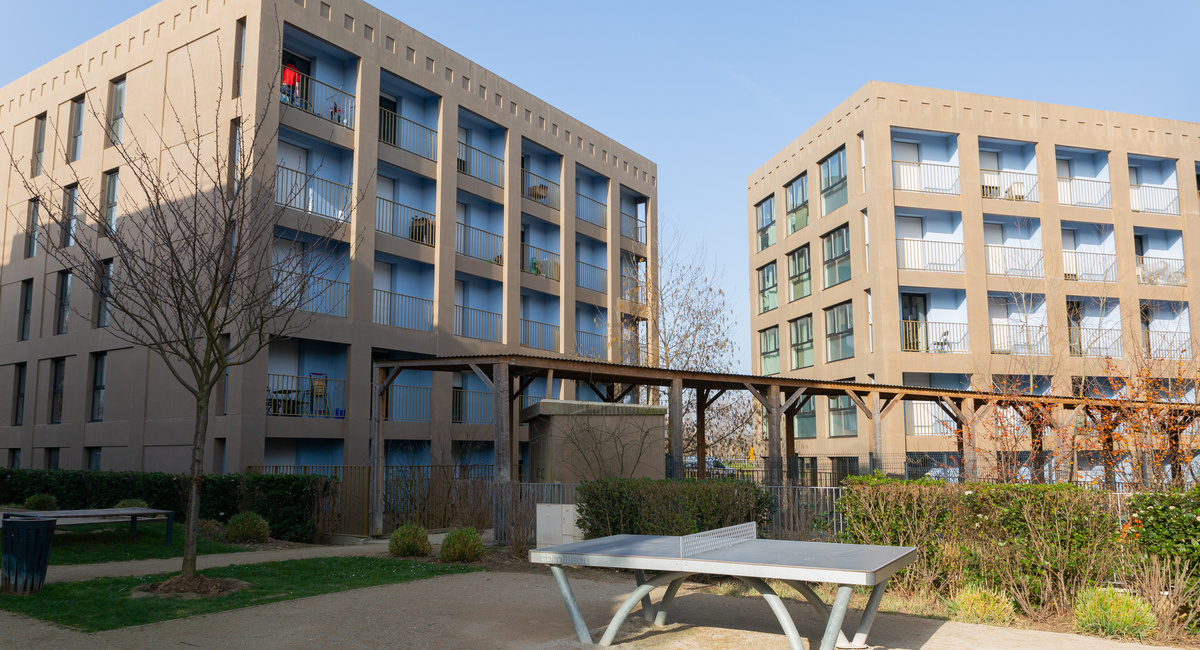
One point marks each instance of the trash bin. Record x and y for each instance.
(26, 553)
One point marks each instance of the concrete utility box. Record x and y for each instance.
(573, 441)
(557, 524)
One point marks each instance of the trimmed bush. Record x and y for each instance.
(409, 540)
(1109, 612)
(975, 604)
(461, 545)
(211, 529)
(246, 527)
(615, 506)
(1166, 524)
(131, 503)
(41, 502)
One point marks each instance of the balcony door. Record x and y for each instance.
(1070, 270)
(913, 311)
(291, 186)
(1135, 198)
(989, 171)
(993, 235)
(1062, 167)
(908, 169)
(912, 253)
(998, 310)
(1074, 323)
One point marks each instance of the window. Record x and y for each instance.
(117, 112)
(14, 458)
(802, 342)
(58, 373)
(99, 373)
(26, 309)
(39, 145)
(64, 302)
(235, 154)
(105, 293)
(223, 398)
(799, 274)
(18, 412)
(51, 457)
(806, 420)
(766, 223)
(75, 139)
(768, 292)
(797, 204)
(111, 189)
(768, 345)
(837, 256)
(31, 228)
(839, 331)
(833, 181)
(70, 214)
(843, 466)
(239, 56)
(843, 417)
(93, 458)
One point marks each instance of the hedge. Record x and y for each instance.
(614, 506)
(1166, 523)
(288, 502)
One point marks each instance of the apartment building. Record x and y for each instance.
(479, 220)
(935, 238)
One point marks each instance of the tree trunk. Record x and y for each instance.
(195, 478)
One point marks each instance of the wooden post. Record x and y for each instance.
(675, 426)
(701, 443)
(774, 451)
(378, 397)
(789, 441)
(501, 422)
(876, 417)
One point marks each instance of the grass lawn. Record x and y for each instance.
(107, 604)
(95, 543)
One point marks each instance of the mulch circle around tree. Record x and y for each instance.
(197, 587)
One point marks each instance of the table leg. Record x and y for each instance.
(868, 616)
(660, 618)
(647, 605)
(781, 613)
(817, 604)
(170, 526)
(833, 627)
(133, 523)
(632, 600)
(564, 588)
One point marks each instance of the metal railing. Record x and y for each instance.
(1025, 340)
(1009, 186)
(591, 346)
(480, 244)
(593, 278)
(527, 401)
(1014, 261)
(633, 290)
(480, 164)
(1095, 342)
(1151, 198)
(1161, 271)
(477, 324)
(400, 220)
(536, 261)
(399, 310)
(320, 99)
(590, 210)
(934, 178)
(540, 336)
(1089, 267)
(406, 134)
(472, 406)
(313, 195)
(439, 496)
(1167, 345)
(536, 188)
(927, 419)
(408, 403)
(345, 509)
(925, 255)
(308, 397)
(311, 293)
(927, 336)
(633, 229)
(1084, 192)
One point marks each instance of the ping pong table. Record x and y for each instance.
(733, 551)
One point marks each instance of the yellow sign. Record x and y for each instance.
(752, 454)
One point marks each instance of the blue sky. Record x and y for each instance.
(710, 90)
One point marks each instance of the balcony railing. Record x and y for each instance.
(313, 195)
(406, 134)
(1009, 186)
(472, 407)
(311, 293)
(536, 188)
(1167, 345)
(480, 244)
(322, 100)
(1096, 342)
(633, 290)
(540, 336)
(1161, 271)
(480, 164)
(591, 346)
(536, 261)
(927, 419)
(1089, 267)
(527, 401)
(935, 178)
(307, 397)
(408, 404)
(400, 220)
(633, 229)
(925, 255)
(1084, 192)
(590, 210)
(633, 353)
(1025, 340)
(1150, 198)
(1014, 261)
(399, 310)
(477, 324)
(940, 338)
(591, 277)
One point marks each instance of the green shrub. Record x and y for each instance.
(1109, 612)
(461, 545)
(409, 540)
(247, 527)
(131, 503)
(1166, 524)
(41, 502)
(615, 506)
(975, 604)
(211, 529)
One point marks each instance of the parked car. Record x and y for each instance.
(714, 467)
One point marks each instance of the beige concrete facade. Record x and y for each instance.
(145, 423)
(1101, 208)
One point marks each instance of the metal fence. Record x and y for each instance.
(345, 511)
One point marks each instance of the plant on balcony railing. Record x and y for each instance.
(472, 407)
(402, 221)
(591, 346)
(926, 255)
(1155, 199)
(307, 193)
(1094, 342)
(1161, 271)
(406, 134)
(408, 403)
(927, 336)
(311, 96)
(632, 228)
(590, 210)
(540, 336)
(479, 244)
(314, 396)
(591, 277)
(536, 188)
(1014, 261)
(311, 293)
(480, 164)
(536, 261)
(399, 310)
(935, 178)
(1009, 185)
(1089, 267)
(477, 324)
(1024, 340)
(1084, 192)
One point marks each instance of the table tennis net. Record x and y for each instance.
(711, 540)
